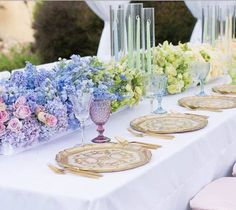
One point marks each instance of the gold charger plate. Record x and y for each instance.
(211, 102)
(168, 123)
(107, 157)
(225, 89)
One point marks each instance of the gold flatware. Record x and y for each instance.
(140, 134)
(207, 109)
(216, 91)
(56, 169)
(198, 115)
(88, 174)
(142, 144)
(195, 108)
(225, 89)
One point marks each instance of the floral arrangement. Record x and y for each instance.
(175, 61)
(127, 86)
(208, 53)
(35, 103)
(232, 63)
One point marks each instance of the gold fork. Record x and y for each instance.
(159, 135)
(88, 174)
(193, 108)
(142, 144)
(197, 115)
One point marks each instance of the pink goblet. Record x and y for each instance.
(99, 113)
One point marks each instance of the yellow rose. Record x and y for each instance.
(42, 117)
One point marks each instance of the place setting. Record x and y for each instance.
(226, 89)
(160, 123)
(105, 154)
(92, 160)
(203, 101)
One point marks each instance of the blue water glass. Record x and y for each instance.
(159, 82)
(199, 71)
(149, 90)
(203, 72)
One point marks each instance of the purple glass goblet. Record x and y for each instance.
(100, 113)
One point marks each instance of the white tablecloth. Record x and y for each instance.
(176, 172)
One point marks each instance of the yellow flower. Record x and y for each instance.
(138, 90)
(128, 87)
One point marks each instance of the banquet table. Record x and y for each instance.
(176, 172)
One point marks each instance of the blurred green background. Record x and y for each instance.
(65, 28)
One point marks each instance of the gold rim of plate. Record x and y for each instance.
(63, 158)
(190, 101)
(225, 89)
(200, 122)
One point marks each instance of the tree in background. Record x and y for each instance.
(65, 28)
(173, 21)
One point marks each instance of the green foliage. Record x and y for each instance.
(65, 28)
(173, 21)
(16, 58)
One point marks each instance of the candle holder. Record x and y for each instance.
(137, 16)
(134, 26)
(117, 20)
(149, 37)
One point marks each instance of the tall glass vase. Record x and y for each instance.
(134, 34)
(137, 16)
(148, 44)
(208, 24)
(117, 21)
(149, 37)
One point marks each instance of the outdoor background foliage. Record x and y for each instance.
(71, 27)
(173, 21)
(65, 28)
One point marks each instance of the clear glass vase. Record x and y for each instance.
(149, 37)
(118, 40)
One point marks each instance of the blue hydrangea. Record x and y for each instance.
(52, 90)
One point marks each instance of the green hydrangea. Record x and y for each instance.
(173, 61)
(127, 84)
